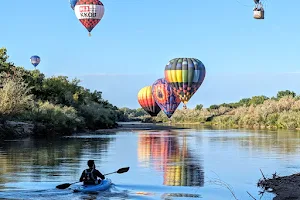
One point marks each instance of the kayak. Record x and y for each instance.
(104, 185)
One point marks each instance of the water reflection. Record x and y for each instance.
(170, 155)
(40, 160)
(281, 141)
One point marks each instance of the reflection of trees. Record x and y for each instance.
(174, 159)
(282, 141)
(35, 159)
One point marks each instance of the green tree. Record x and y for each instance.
(5, 66)
(281, 94)
(214, 107)
(55, 101)
(14, 96)
(199, 107)
(245, 102)
(256, 100)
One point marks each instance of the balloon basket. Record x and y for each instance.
(259, 14)
(90, 34)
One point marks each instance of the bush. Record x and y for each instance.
(97, 116)
(51, 119)
(14, 96)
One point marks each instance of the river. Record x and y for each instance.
(197, 163)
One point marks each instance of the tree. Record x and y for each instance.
(214, 107)
(15, 95)
(199, 107)
(256, 100)
(281, 94)
(4, 65)
(29, 95)
(244, 102)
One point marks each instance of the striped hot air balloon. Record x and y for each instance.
(185, 76)
(147, 101)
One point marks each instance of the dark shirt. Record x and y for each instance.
(96, 174)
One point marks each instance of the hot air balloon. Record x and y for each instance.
(73, 3)
(185, 75)
(165, 97)
(147, 101)
(89, 13)
(258, 11)
(35, 60)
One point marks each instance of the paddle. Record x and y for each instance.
(66, 185)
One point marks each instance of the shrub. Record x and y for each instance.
(97, 116)
(50, 118)
(14, 96)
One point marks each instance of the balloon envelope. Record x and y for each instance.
(73, 3)
(147, 102)
(185, 76)
(35, 60)
(89, 13)
(165, 97)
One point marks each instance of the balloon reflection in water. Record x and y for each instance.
(165, 152)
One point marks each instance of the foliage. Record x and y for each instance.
(15, 95)
(97, 115)
(126, 114)
(281, 94)
(52, 118)
(282, 111)
(55, 104)
(199, 107)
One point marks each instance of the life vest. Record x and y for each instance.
(89, 177)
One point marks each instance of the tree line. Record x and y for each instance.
(280, 111)
(55, 105)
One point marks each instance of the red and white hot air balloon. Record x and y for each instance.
(89, 13)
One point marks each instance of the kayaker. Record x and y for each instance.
(89, 176)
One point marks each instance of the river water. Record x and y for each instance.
(197, 163)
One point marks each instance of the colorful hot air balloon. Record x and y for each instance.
(35, 60)
(89, 13)
(147, 102)
(185, 76)
(73, 3)
(165, 97)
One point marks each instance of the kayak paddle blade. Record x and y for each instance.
(63, 186)
(123, 170)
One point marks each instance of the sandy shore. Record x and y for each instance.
(139, 126)
(285, 187)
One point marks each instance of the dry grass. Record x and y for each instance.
(283, 113)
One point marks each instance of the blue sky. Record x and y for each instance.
(135, 39)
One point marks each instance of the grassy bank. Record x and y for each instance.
(54, 105)
(279, 112)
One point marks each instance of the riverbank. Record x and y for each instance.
(19, 130)
(285, 187)
(16, 130)
(259, 112)
(140, 126)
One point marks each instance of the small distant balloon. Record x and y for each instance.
(89, 13)
(35, 60)
(73, 3)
